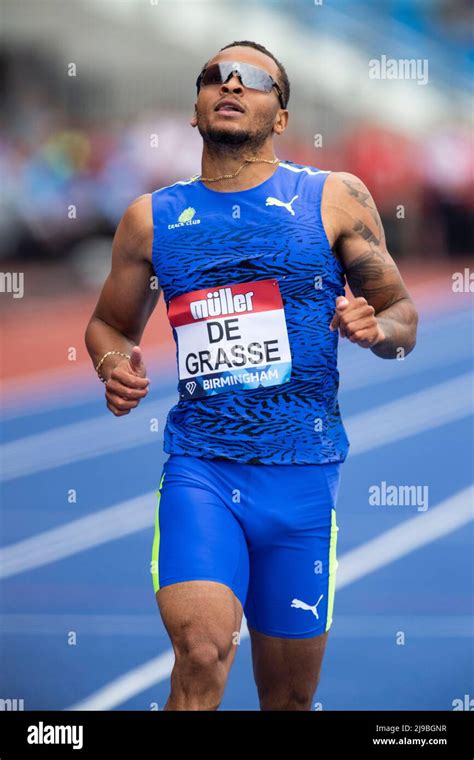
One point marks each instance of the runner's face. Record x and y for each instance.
(259, 109)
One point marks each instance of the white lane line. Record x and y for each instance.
(108, 524)
(122, 689)
(408, 536)
(356, 374)
(72, 387)
(421, 411)
(418, 531)
(78, 441)
(387, 423)
(426, 409)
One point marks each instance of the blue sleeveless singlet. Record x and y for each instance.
(250, 284)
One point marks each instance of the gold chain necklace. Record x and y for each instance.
(229, 176)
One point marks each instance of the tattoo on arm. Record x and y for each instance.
(363, 199)
(372, 273)
(376, 279)
(365, 232)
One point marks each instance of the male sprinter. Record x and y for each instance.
(251, 257)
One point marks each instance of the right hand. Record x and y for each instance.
(127, 384)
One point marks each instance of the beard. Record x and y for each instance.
(219, 138)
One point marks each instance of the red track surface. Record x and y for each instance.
(38, 332)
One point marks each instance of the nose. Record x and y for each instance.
(232, 85)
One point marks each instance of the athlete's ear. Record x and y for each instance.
(281, 121)
(193, 121)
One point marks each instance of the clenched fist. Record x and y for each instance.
(127, 384)
(356, 320)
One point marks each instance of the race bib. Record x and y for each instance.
(234, 336)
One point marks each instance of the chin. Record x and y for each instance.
(227, 135)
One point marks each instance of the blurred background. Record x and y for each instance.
(96, 98)
(85, 85)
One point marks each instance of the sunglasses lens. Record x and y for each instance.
(212, 75)
(251, 76)
(256, 79)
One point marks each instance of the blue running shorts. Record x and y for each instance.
(268, 532)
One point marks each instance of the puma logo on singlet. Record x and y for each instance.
(303, 606)
(276, 202)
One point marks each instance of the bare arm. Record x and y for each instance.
(128, 298)
(374, 279)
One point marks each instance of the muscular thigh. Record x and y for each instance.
(196, 613)
(199, 558)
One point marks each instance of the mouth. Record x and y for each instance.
(229, 108)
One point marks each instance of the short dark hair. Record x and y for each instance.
(284, 81)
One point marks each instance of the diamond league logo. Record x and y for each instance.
(191, 387)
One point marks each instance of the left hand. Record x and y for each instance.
(356, 320)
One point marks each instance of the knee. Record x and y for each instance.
(203, 656)
(202, 659)
(287, 699)
(199, 675)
